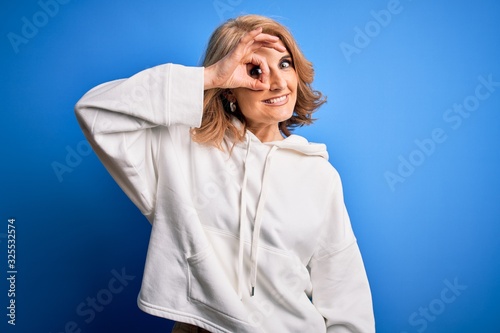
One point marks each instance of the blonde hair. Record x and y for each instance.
(217, 118)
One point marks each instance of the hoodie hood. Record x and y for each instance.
(293, 142)
(301, 145)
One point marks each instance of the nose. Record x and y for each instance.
(277, 80)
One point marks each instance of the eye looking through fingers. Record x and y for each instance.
(255, 71)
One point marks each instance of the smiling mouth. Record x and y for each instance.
(277, 100)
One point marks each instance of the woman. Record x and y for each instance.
(249, 228)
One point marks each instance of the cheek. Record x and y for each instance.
(293, 78)
(295, 93)
(246, 101)
(293, 86)
(246, 96)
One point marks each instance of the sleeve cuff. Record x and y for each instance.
(185, 95)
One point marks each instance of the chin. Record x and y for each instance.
(286, 115)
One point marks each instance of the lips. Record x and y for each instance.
(277, 100)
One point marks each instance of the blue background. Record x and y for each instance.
(439, 226)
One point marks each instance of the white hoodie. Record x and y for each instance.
(258, 240)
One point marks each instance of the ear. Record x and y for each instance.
(228, 94)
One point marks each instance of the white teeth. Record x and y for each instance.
(275, 100)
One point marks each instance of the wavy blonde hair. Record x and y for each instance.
(217, 118)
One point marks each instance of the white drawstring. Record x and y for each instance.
(258, 221)
(243, 218)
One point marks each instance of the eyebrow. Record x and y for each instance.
(286, 56)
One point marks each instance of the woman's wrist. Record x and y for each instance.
(208, 82)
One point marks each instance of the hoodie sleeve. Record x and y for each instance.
(341, 292)
(123, 120)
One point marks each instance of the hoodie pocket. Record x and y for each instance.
(210, 287)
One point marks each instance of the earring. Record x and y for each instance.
(232, 106)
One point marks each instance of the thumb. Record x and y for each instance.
(256, 84)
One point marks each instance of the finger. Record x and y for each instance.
(264, 67)
(270, 41)
(249, 36)
(257, 36)
(254, 40)
(257, 45)
(255, 84)
(259, 85)
(277, 46)
(260, 61)
(262, 37)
